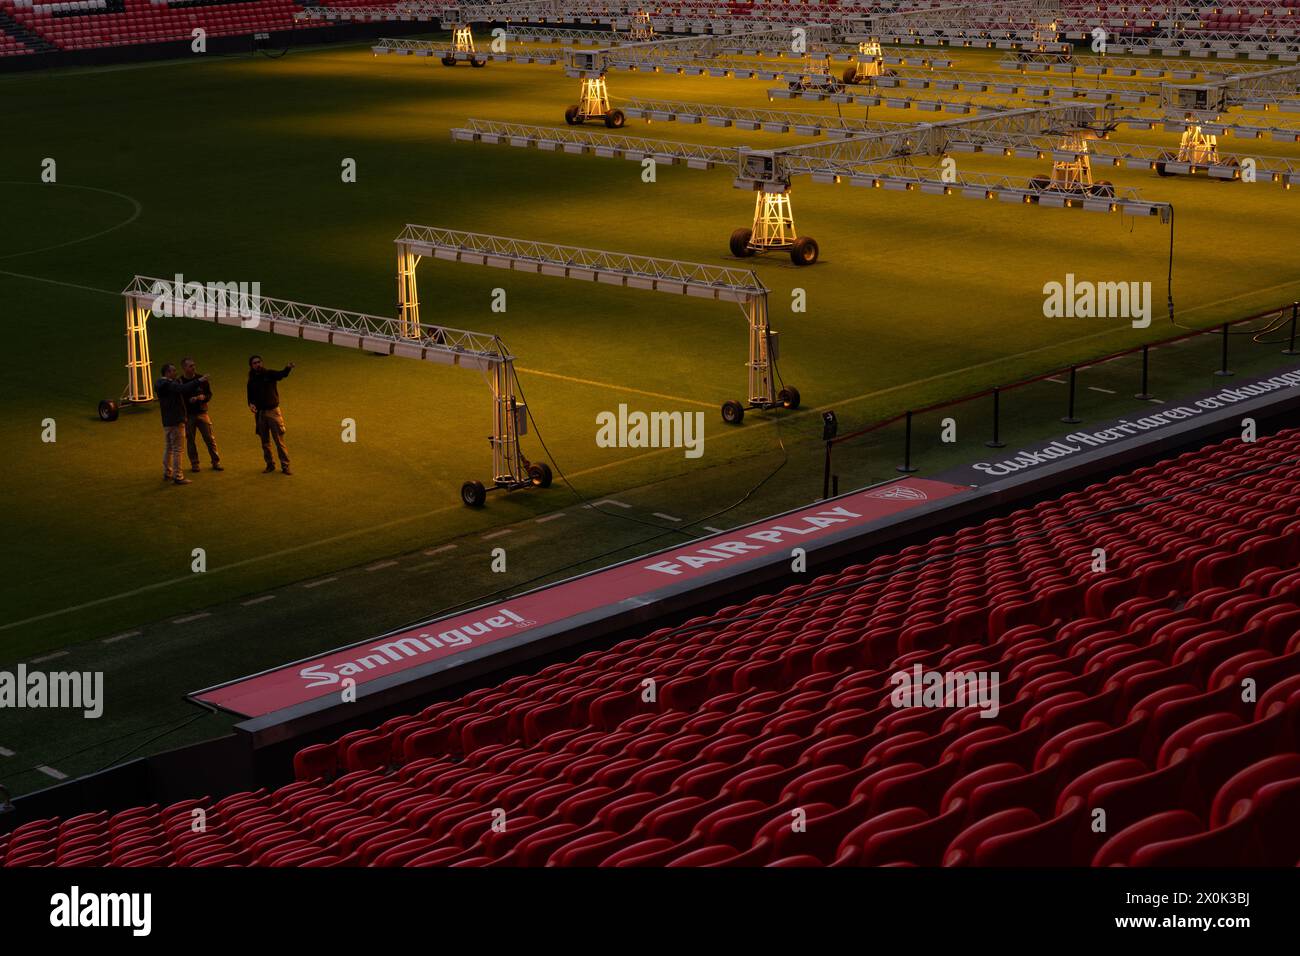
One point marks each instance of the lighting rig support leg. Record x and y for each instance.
(594, 96)
(462, 40)
(507, 461)
(762, 377)
(408, 293)
(773, 221)
(139, 368)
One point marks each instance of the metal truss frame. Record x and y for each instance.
(608, 145)
(746, 118)
(626, 270)
(755, 170)
(845, 157)
(1128, 155)
(403, 336)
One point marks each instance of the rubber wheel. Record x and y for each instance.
(1161, 170)
(448, 61)
(1102, 188)
(804, 251)
(473, 494)
(540, 473)
(851, 75)
(1039, 183)
(615, 119)
(788, 397)
(108, 410)
(740, 247)
(475, 62)
(571, 116)
(733, 413)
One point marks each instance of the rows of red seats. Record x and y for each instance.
(766, 734)
(145, 22)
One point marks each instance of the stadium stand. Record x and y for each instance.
(96, 24)
(1163, 689)
(29, 26)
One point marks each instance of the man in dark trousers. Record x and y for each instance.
(264, 403)
(172, 396)
(197, 421)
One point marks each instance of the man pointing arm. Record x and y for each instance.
(264, 403)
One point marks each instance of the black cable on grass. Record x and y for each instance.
(275, 55)
(170, 730)
(660, 529)
(170, 725)
(584, 500)
(1270, 325)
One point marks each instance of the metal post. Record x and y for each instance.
(408, 296)
(762, 374)
(906, 467)
(835, 486)
(1144, 395)
(1223, 368)
(826, 475)
(139, 368)
(997, 415)
(1070, 418)
(1290, 349)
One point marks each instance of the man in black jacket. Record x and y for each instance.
(264, 403)
(172, 396)
(198, 421)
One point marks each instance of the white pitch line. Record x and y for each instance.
(316, 584)
(709, 527)
(1104, 391)
(192, 617)
(1158, 401)
(611, 501)
(445, 547)
(497, 534)
(381, 565)
(57, 775)
(49, 657)
(1058, 381)
(6, 752)
(616, 388)
(121, 637)
(551, 517)
(258, 600)
(660, 514)
(425, 566)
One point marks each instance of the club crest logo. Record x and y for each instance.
(898, 493)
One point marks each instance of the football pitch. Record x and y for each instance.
(233, 173)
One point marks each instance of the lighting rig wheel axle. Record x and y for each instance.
(733, 412)
(773, 231)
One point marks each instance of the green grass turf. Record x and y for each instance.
(233, 168)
